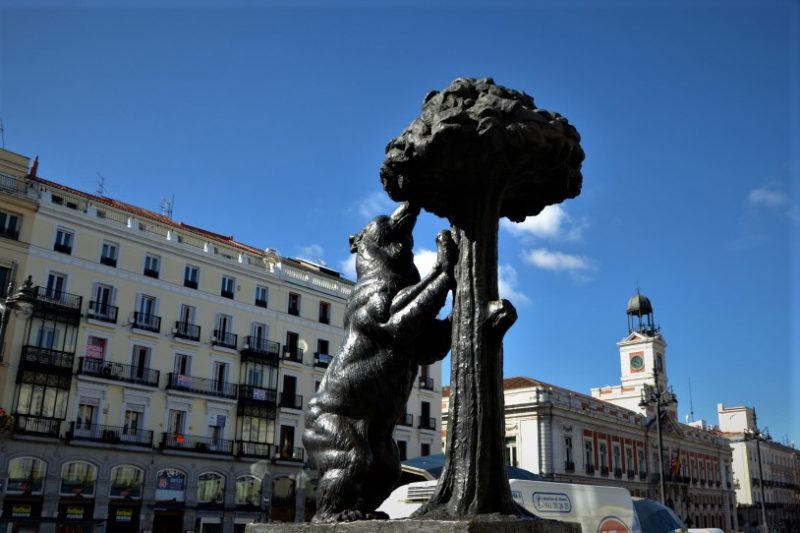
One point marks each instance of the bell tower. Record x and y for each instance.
(642, 352)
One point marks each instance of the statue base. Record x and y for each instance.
(488, 524)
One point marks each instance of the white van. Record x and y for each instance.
(597, 509)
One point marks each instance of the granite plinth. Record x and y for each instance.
(468, 525)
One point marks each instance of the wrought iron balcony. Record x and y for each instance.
(36, 425)
(46, 360)
(406, 419)
(246, 448)
(147, 322)
(184, 330)
(322, 360)
(261, 350)
(425, 383)
(292, 354)
(293, 310)
(88, 366)
(291, 401)
(110, 434)
(102, 312)
(208, 387)
(631, 474)
(109, 261)
(197, 444)
(226, 294)
(427, 422)
(62, 248)
(261, 303)
(151, 273)
(258, 394)
(224, 339)
(285, 453)
(58, 301)
(190, 283)
(569, 466)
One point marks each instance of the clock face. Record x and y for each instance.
(637, 363)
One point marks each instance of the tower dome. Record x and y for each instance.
(640, 314)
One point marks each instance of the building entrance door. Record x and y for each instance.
(168, 521)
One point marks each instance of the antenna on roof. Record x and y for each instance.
(691, 404)
(2, 134)
(166, 206)
(101, 185)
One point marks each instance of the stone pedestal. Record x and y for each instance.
(465, 525)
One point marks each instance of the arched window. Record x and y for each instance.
(248, 491)
(170, 485)
(126, 482)
(78, 479)
(210, 488)
(26, 475)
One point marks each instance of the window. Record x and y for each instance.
(145, 318)
(108, 254)
(248, 491)
(589, 454)
(64, 240)
(511, 451)
(323, 347)
(228, 284)
(170, 485)
(291, 348)
(617, 459)
(177, 421)
(325, 312)
(261, 296)
(425, 420)
(642, 465)
(629, 460)
(96, 348)
(56, 284)
(424, 449)
(101, 307)
(87, 409)
(569, 462)
(219, 375)
(191, 276)
(294, 304)
(183, 364)
(223, 333)
(78, 479)
(604, 456)
(5, 279)
(152, 265)
(9, 225)
(126, 482)
(133, 422)
(26, 476)
(402, 449)
(140, 362)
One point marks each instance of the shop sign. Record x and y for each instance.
(21, 511)
(171, 480)
(75, 512)
(124, 514)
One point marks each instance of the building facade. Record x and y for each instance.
(160, 378)
(763, 470)
(607, 438)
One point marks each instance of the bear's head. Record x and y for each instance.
(384, 246)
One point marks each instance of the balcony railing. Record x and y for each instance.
(151, 273)
(184, 330)
(261, 303)
(258, 394)
(617, 473)
(293, 310)
(246, 448)
(58, 300)
(109, 261)
(209, 387)
(45, 359)
(406, 419)
(427, 422)
(190, 283)
(226, 294)
(194, 443)
(147, 322)
(89, 366)
(292, 354)
(36, 425)
(631, 474)
(110, 434)
(224, 339)
(62, 248)
(569, 466)
(10, 233)
(603, 470)
(284, 453)
(261, 348)
(103, 312)
(291, 401)
(590, 469)
(425, 383)
(642, 475)
(322, 360)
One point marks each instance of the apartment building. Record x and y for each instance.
(158, 379)
(610, 437)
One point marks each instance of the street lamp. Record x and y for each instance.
(758, 436)
(655, 396)
(21, 302)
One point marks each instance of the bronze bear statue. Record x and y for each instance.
(391, 327)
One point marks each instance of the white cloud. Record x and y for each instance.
(767, 197)
(312, 253)
(424, 260)
(556, 261)
(507, 283)
(377, 203)
(348, 267)
(552, 223)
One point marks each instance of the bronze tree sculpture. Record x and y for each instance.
(479, 152)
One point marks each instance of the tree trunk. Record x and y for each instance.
(474, 479)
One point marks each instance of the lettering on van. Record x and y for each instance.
(517, 497)
(552, 502)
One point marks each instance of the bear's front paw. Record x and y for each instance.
(447, 249)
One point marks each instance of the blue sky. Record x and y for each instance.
(268, 121)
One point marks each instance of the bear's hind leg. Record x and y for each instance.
(384, 472)
(342, 457)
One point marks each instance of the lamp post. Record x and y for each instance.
(758, 436)
(21, 301)
(655, 396)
